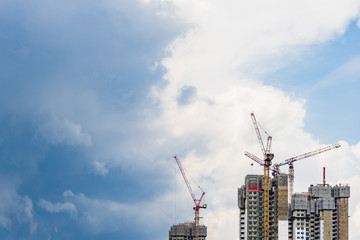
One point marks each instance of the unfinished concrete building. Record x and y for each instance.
(321, 213)
(251, 205)
(186, 231)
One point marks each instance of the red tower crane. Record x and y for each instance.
(197, 202)
(266, 163)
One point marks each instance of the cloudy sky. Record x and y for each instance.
(97, 96)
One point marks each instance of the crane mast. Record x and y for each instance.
(197, 202)
(266, 163)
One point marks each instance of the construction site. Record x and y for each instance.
(270, 210)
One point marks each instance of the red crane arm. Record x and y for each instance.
(197, 202)
(258, 134)
(185, 178)
(309, 154)
(255, 158)
(202, 195)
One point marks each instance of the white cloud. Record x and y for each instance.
(354, 218)
(100, 168)
(229, 48)
(238, 34)
(101, 215)
(64, 131)
(57, 207)
(68, 193)
(15, 210)
(356, 150)
(231, 45)
(29, 213)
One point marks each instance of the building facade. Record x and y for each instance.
(321, 213)
(186, 231)
(251, 206)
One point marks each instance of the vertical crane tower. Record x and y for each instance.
(197, 202)
(266, 163)
(268, 157)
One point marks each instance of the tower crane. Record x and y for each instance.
(197, 202)
(266, 163)
(290, 162)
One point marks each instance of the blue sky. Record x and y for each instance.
(332, 105)
(71, 62)
(96, 97)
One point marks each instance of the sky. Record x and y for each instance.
(97, 96)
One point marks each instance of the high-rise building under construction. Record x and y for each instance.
(251, 205)
(321, 213)
(186, 231)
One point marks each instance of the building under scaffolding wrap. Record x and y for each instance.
(322, 213)
(251, 205)
(186, 231)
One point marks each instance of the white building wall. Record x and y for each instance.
(299, 232)
(243, 225)
(321, 229)
(246, 224)
(283, 230)
(295, 233)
